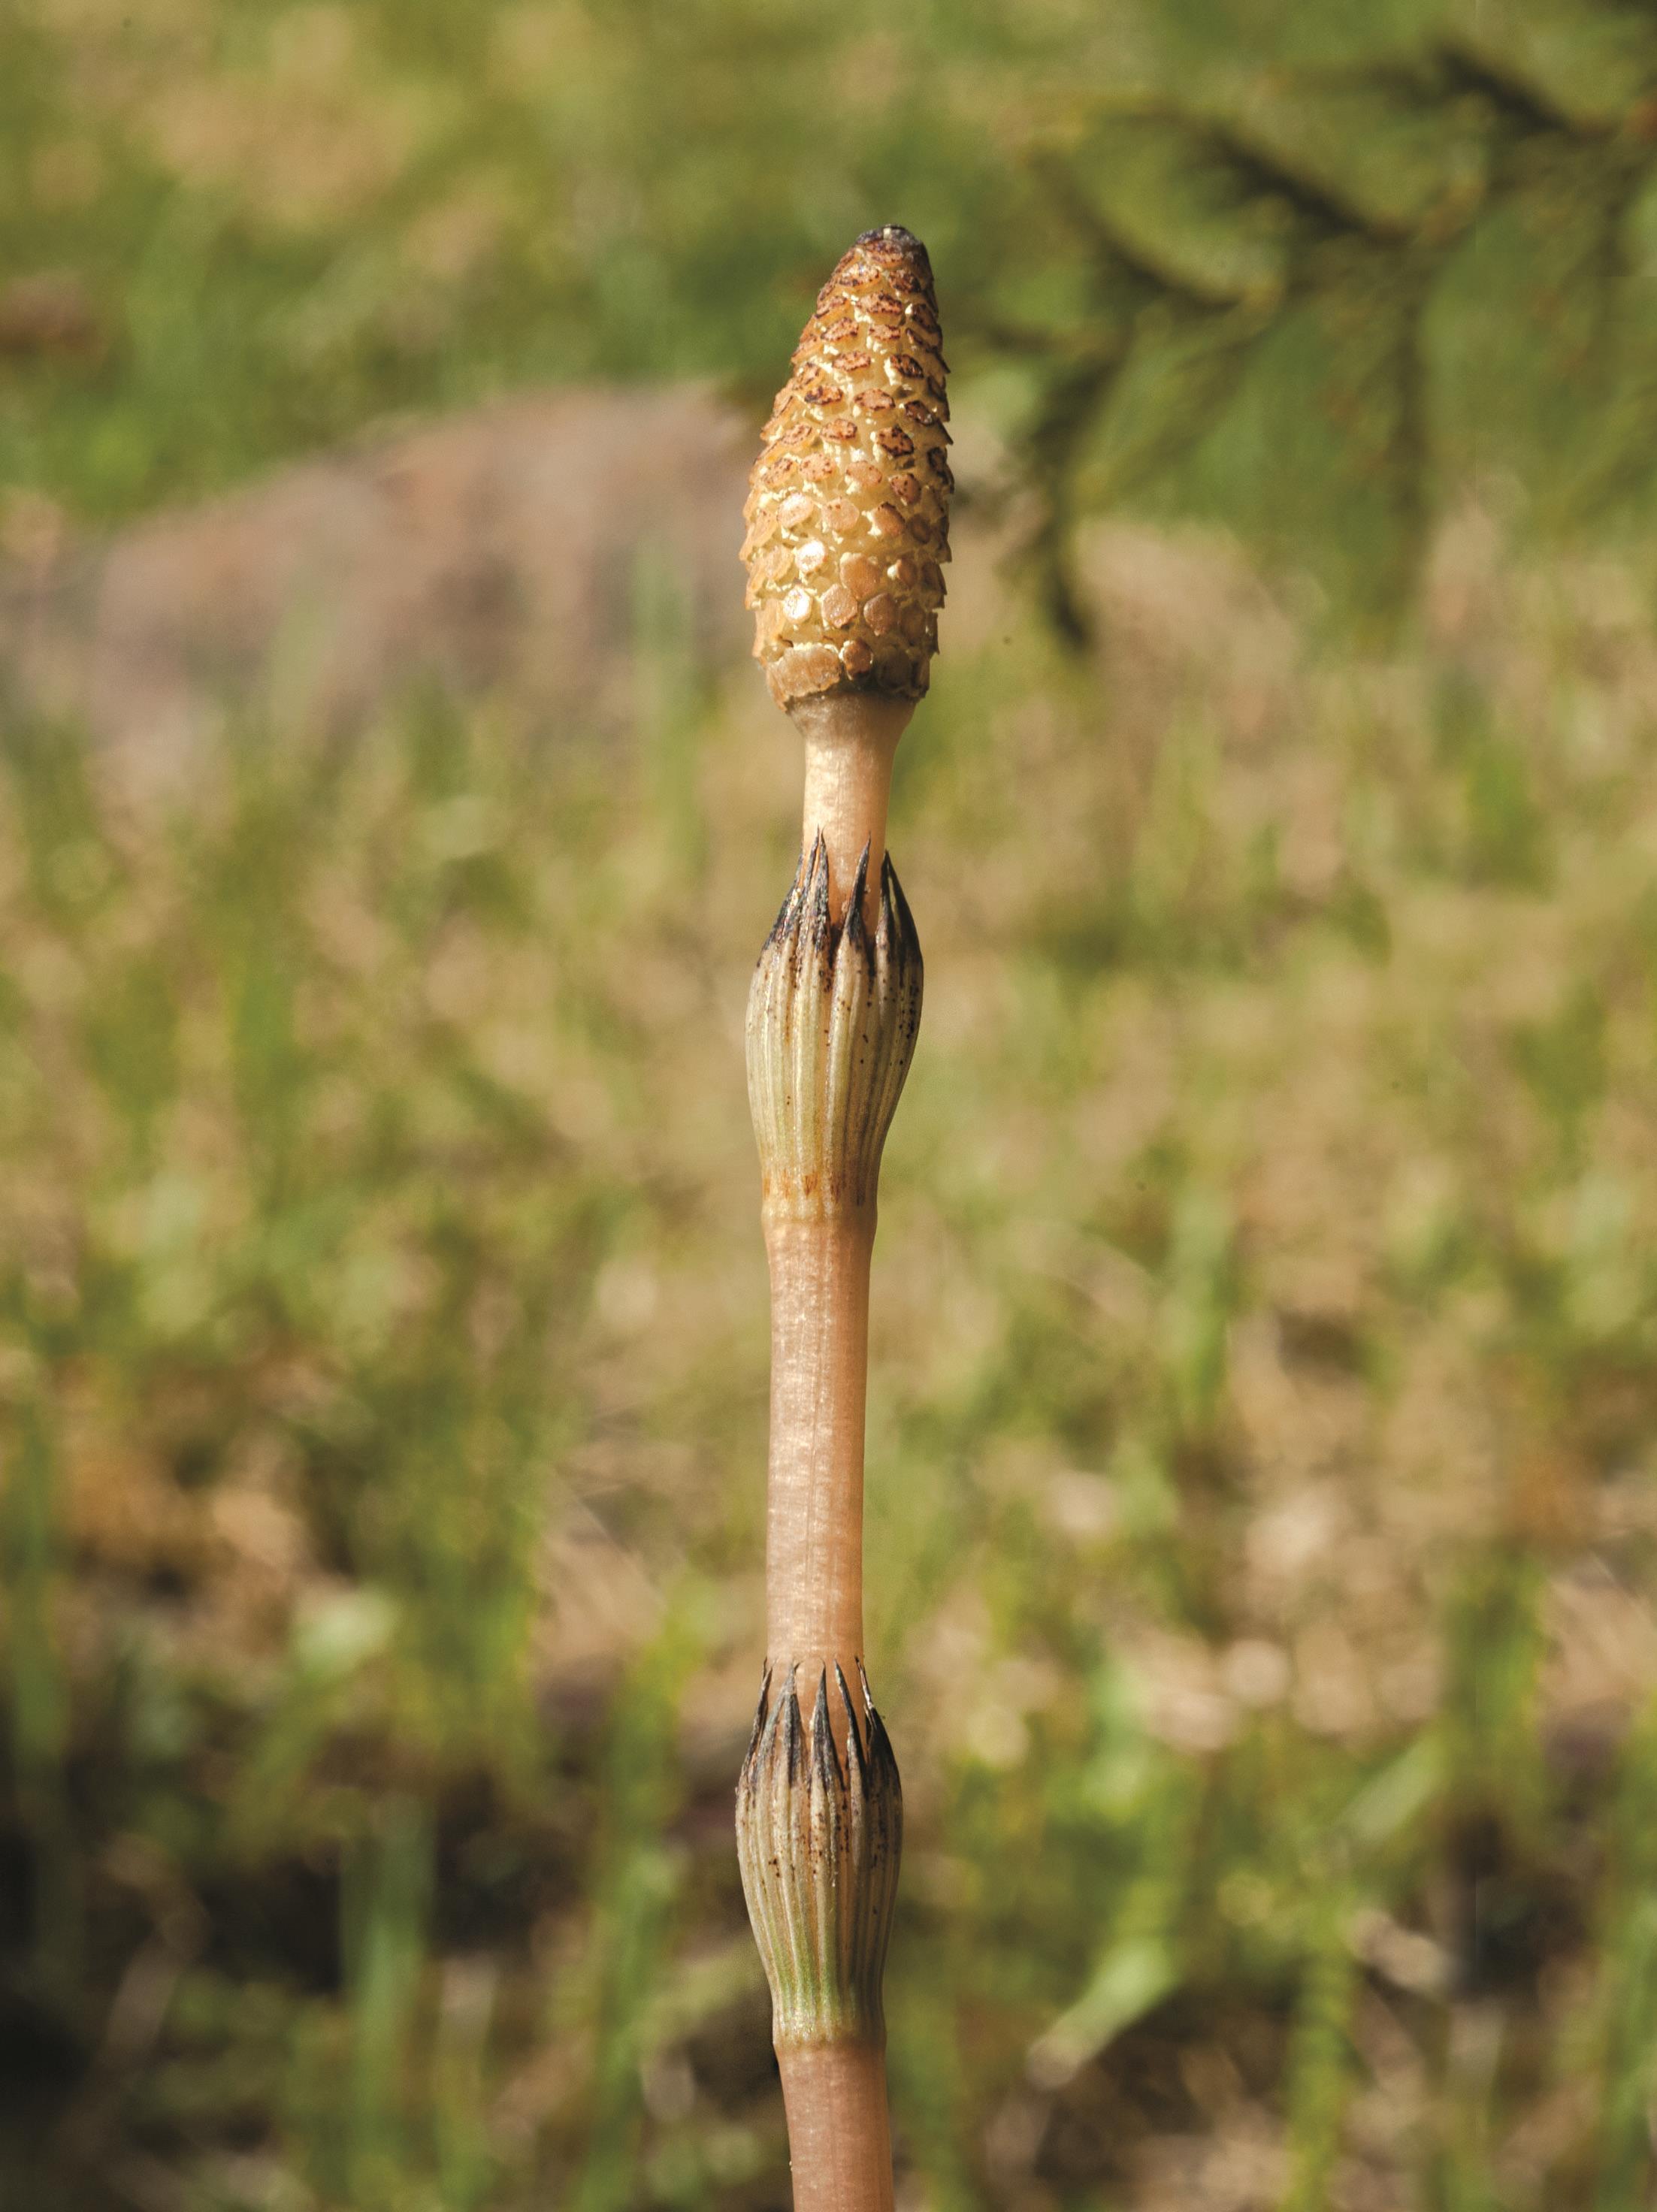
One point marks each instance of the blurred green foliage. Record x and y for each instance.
(1307, 270)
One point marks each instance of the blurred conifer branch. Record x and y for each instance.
(1333, 210)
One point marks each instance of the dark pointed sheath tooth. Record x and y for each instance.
(785, 913)
(768, 1741)
(882, 1758)
(793, 1733)
(885, 920)
(822, 929)
(758, 1720)
(906, 933)
(854, 1761)
(852, 924)
(822, 1736)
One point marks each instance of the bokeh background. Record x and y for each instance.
(1261, 1528)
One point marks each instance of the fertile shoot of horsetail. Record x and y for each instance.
(848, 533)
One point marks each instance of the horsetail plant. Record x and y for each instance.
(849, 527)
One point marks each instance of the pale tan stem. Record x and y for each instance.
(851, 740)
(839, 2140)
(814, 1517)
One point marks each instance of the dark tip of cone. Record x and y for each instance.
(893, 234)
